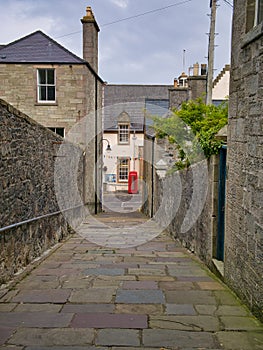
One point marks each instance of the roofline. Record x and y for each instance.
(82, 61)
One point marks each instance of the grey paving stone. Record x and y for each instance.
(181, 309)
(43, 296)
(121, 337)
(177, 339)
(229, 310)
(38, 308)
(5, 333)
(7, 307)
(140, 285)
(93, 295)
(64, 348)
(106, 320)
(237, 323)
(52, 337)
(241, 340)
(190, 297)
(86, 308)
(187, 323)
(206, 309)
(140, 297)
(148, 309)
(149, 271)
(104, 271)
(226, 298)
(35, 319)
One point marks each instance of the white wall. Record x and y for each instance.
(110, 158)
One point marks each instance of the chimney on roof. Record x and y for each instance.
(196, 69)
(90, 39)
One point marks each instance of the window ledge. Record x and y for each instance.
(46, 104)
(252, 35)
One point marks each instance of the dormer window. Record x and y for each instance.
(46, 86)
(183, 82)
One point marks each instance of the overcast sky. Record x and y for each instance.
(147, 49)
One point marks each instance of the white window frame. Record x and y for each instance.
(55, 130)
(45, 85)
(123, 169)
(124, 132)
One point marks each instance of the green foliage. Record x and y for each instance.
(193, 129)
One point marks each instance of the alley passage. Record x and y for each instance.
(156, 295)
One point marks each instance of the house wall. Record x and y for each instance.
(110, 159)
(74, 86)
(28, 158)
(76, 90)
(244, 219)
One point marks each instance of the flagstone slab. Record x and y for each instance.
(93, 295)
(5, 333)
(107, 320)
(86, 308)
(121, 337)
(104, 271)
(43, 296)
(140, 297)
(190, 297)
(140, 285)
(180, 309)
(177, 285)
(148, 309)
(241, 340)
(186, 323)
(237, 323)
(178, 339)
(52, 337)
(24, 307)
(35, 319)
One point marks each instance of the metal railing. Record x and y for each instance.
(36, 219)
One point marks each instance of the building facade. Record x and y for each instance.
(244, 219)
(56, 88)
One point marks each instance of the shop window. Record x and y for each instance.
(123, 169)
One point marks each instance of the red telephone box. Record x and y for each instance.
(133, 182)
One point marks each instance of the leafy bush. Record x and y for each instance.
(193, 129)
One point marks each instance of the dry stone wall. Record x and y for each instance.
(28, 155)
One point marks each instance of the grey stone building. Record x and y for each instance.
(244, 196)
(56, 88)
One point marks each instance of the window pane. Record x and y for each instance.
(51, 93)
(42, 93)
(60, 131)
(124, 133)
(42, 76)
(50, 76)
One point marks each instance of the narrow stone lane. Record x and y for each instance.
(152, 296)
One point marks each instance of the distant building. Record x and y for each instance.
(125, 111)
(220, 92)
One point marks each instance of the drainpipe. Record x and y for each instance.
(96, 146)
(152, 175)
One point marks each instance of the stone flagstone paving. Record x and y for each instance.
(154, 296)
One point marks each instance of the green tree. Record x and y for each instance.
(192, 129)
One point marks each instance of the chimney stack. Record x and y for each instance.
(90, 39)
(196, 69)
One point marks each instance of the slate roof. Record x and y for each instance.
(139, 101)
(37, 48)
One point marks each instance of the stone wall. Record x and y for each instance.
(28, 156)
(244, 219)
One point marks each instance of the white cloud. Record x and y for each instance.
(120, 3)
